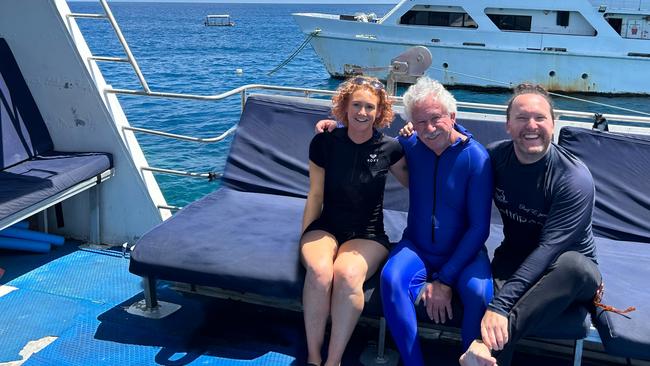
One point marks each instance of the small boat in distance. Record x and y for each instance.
(218, 20)
(595, 46)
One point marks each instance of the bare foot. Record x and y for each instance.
(478, 354)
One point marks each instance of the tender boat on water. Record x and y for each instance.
(218, 20)
(128, 285)
(573, 46)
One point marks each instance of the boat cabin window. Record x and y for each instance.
(546, 21)
(630, 25)
(437, 18)
(512, 22)
(562, 18)
(616, 23)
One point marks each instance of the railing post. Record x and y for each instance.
(127, 50)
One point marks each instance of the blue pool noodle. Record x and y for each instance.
(18, 233)
(21, 224)
(28, 245)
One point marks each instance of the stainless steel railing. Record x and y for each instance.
(583, 117)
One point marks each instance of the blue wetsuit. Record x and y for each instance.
(450, 200)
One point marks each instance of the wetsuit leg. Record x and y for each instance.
(401, 279)
(573, 278)
(475, 289)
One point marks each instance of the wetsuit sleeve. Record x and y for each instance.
(395, 151)
(317, 149)
(568, 220)
(478, 206)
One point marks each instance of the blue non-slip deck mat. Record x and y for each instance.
(27, 315)
(204, 331)
(55, 296)
(101, 277)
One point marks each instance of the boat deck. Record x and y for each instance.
(73, 299)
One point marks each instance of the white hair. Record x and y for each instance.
(424, 88)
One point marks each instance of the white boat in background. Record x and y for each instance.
(599, 46)
(218, 20)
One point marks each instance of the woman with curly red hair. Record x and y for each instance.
(343, 241)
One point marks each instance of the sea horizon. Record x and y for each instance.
(283, 2)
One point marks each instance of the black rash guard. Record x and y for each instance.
(355, 176)
(546, 208)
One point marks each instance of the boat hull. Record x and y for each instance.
(475, 63)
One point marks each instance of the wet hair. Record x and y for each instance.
(424, 88)
(341, 100)
(527, 88)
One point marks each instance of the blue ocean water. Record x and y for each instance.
(177, 53)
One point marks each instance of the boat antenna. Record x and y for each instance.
(559, 95)
(295, 52)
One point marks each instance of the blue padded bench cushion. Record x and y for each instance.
(28, 183)
(23, 133)
(620, 165)
(238, 241)
(625, 267)
(30, 171)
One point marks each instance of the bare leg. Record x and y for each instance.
(318, 250)
(356, 261)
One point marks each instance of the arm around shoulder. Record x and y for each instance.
(401, 172)
(314, 204)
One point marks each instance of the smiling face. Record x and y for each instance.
(433, 124)
(530, 124)
(362, 109)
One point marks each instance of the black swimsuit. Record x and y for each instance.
(355, 176)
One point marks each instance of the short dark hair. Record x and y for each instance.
(527, 88)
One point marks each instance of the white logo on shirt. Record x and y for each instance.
(500, 195)
(372, 158)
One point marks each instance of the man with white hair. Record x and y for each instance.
(443, 245)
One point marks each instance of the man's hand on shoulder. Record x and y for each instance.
(437, 299)
(325, 124)
(478, 354)
(407, 130)
(494, 330)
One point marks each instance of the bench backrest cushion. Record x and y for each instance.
(270, 151)
(23, 133)
(620, 166)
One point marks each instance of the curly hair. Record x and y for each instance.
(341, 99)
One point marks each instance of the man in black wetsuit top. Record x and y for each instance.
(547, 261)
